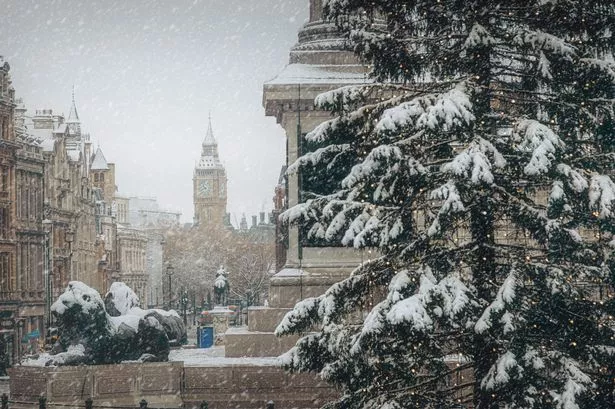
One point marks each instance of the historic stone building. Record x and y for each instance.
(9, 294)
(47, 235)
(209, 185)
(69, 199)
(58, 220)
(122, 254)
(30, 236)
(53, 217)
(132, 246)
(144, 213)
(7, 192)
(102, 177)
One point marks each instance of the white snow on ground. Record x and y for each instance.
(213, 356)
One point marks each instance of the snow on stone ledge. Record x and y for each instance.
(320, 74)
(290, 272)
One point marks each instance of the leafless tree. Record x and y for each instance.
(196, 254)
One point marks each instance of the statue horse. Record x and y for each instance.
(221, 287)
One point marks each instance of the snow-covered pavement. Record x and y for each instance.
(214, 356)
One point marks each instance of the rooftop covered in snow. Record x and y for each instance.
(99, 162)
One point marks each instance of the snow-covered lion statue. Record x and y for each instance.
(93, 331)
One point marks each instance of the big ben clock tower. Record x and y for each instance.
(209, 184)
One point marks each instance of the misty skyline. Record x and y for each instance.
(147, 74)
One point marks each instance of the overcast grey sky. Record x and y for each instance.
(146, 74)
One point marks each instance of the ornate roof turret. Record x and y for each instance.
(209, 136)
(74, 127)
(73, 117)
(209, 154)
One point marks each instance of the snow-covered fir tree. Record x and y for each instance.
(480, 164)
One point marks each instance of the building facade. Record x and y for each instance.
(59, 215)
(209, 185)
(102, 177)
(132, 246)
(53, 218)
(144, 213)
(9, 294)
(30, 236)
(69, 200)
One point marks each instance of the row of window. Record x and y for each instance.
(4, 127)
(4, 82)
(134, 259)
(29, 196)
(6, 279)
(30, 265)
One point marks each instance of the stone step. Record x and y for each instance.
(242, 343)
(265, 319)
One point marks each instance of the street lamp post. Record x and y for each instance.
(184, 301)
(170, 274)
(47, 228)
(193, 308)
(248, 303)
(69, 237)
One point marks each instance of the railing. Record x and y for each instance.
(5, 403)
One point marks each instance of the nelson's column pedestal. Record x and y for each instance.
(318, 63)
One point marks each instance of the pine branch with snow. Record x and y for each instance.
(480, 165)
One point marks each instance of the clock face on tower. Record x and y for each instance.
(204, 188)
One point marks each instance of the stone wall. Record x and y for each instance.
(167, 385)
(250, 387)
(113, 385)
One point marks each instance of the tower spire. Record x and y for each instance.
(209, 152)
(209, 135)
(73, 116)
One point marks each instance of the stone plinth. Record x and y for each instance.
(220, 316)
(238, 342)
(286, 288)
(265, 319)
